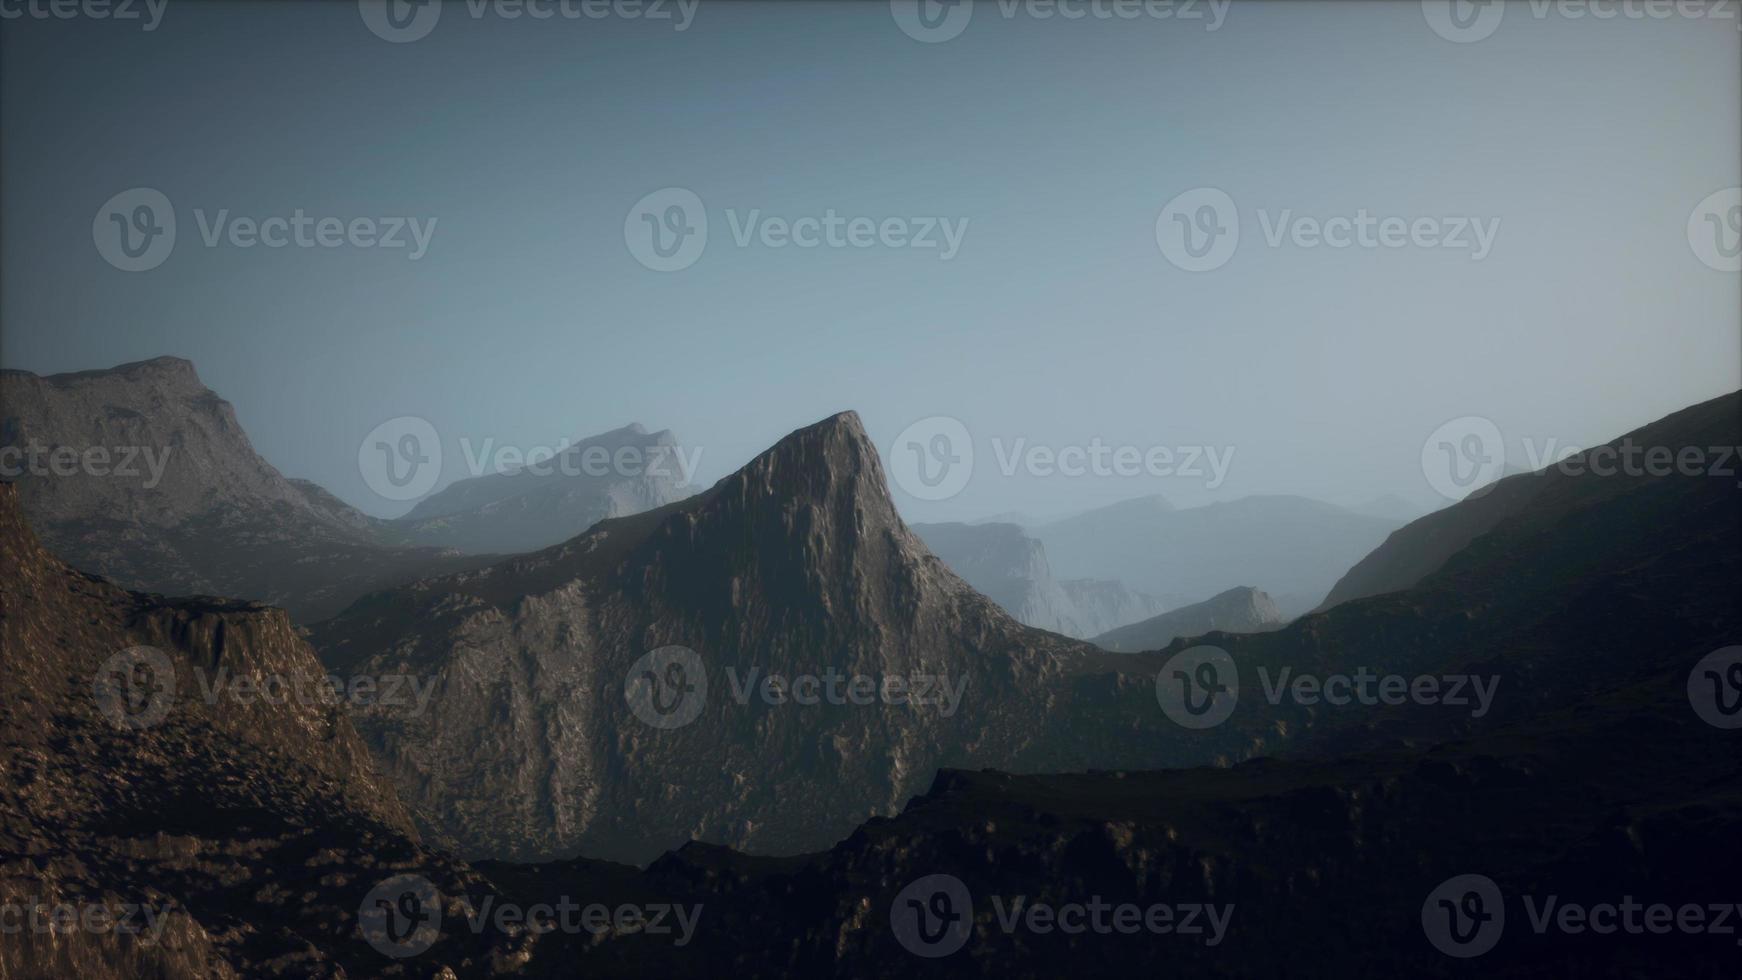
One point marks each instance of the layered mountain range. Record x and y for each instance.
(1241, 610)
(142, 474)
(557, 722)
(614, 474)
(1006, 565)
(1294, 548)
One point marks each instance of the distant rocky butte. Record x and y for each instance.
(795, 565)
(1010, 568)
(614, 474)
(180, 502)
(1238, 610)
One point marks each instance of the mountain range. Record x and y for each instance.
(1294, 548)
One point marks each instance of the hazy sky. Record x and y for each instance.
(1055, 317)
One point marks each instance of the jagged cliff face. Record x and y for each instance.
(797, 566)
(240, 830)
(144, 476)
(618, 473)
(1241, 610)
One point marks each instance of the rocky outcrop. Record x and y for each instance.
(615, 474)
(143, 475)
(797, 566)
(1007, 566)
(1241, 610)
(185, 763)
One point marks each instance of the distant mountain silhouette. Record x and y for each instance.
(1292, 547)
(615, 474)
(213, 518)
(1241, 610)
(1010, 568)
(1416, 550)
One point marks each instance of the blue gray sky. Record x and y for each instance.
(1052, 147)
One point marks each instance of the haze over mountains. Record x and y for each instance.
(1006, 565)
(614, 474)
(1589, 601)
(1293, 548)
(556, 726)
